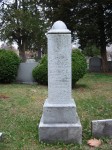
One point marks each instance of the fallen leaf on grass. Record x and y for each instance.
(94, 142)
(3, 97)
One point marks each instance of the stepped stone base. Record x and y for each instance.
(60, 113)
(67, 133)
(60, 123)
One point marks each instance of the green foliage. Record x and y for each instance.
(83, 17)
(23, 23)
(40, 72)
(9, 63)
(91, 50)
(88, 20)
(78, 68)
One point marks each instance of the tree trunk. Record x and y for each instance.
(104, 60)
(22, 55)
(22, 51)
(39, 53)
(102, 37)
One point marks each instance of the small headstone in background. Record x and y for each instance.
(24, 74)
(95, 64)
(102, 128)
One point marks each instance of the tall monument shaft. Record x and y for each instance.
(59, 122)
(59, 68)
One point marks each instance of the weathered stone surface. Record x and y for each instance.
(67, 133)
(102, 128)
(59, 68)
(60, 122)
(95, 64)
(59, 113)
(25, 72)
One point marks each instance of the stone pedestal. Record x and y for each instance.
(59, 122)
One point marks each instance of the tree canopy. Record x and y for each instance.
(90, 20)
(23, 23)
(95, 26)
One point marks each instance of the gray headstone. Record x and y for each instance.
(25, 72)
(102, 128)
(59, 122)
(95, 64)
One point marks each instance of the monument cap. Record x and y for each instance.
(59, 27)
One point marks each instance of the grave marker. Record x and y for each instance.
(59, 122)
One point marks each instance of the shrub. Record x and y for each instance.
(9, 62)
(78, 68)
(91, 50)
(40, 72)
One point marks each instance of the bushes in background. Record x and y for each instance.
(9, 62)
(40, 72)
(79, 66)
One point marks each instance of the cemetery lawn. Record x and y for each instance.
(21, 109)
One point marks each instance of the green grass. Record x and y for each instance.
(21, 109)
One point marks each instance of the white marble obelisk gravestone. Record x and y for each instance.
(59, 122)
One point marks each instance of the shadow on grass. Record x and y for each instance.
(78, 86)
